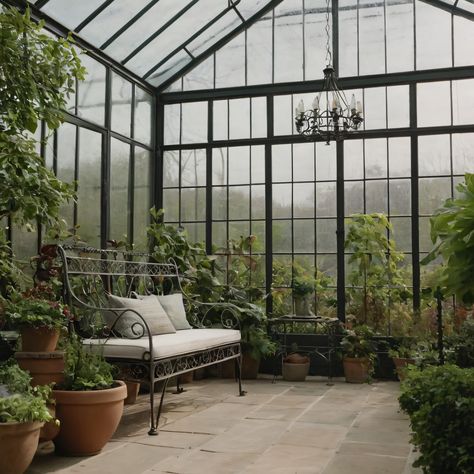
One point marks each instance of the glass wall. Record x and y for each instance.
(105, 147)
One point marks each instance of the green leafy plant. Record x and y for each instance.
(31, 309)
(378, 279)
(19, 402)
(452, 233)
(359, 342)
(85, 369)
(38, 73)
(440, 403)
(460, 346)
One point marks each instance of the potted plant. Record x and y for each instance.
(303, 286)
(358, 349)
(39, 318)
(403, 355)
(23, 412)
(295, 366)
(89, 404)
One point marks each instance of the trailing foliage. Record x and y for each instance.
(86, 370)
(19, 402)
(452, 232)
(440, 403)
(37, 74)
(378, 278)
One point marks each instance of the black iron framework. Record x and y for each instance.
(90, 275)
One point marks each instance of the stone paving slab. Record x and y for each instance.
(282, 427)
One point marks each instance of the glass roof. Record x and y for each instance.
(154, 39)
(157, 39)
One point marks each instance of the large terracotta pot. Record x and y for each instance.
(18, 444)
(40, 339)
(401, 364)
(88, 418)
(44, 367)
(356, 369)
(295, 367)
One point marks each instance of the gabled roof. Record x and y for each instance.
(155, 39)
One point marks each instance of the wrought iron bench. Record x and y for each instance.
(90, 275)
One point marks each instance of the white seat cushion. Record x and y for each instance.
(166, 345)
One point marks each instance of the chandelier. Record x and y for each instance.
(330, 116)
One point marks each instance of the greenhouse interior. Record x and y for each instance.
(237, 236)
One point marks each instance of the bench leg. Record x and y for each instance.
(165, 385)
(179, 389)
(153, 427)
(238, 375)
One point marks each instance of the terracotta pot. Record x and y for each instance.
(248, 369)
(295, 367)
(356, 369)
(88, 418)
(40, 339)
(44, 367)
(132, 392)
(18, 443)
(51, 429)
(401, 364)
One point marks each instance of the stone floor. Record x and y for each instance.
(282, 427)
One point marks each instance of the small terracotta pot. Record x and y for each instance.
(50, 429)
(44, 367)
(88, 418)
(40, 339)
(356, 369)
(250, 366)
(295, 367)
(18, 444)
(132, 392)
(401, 364)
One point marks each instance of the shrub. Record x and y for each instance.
(440, 403)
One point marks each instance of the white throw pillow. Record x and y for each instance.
(151, 311)
(174, 307)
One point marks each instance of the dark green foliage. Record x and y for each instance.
(452, 230)
(440, 403)
(359, 342)
(461, 345)
(86, 370)
(19, 402)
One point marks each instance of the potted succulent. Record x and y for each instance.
(89, 404)
(38, 317)
(23, 412)
(358, 349)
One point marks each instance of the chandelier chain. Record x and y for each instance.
(328, 36)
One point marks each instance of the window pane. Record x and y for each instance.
(230, 63)
(376, 158)
(400, 197)
(91, 91)
(142, 197)
(303, 162)
(239, 118)
(172, 124)
(315, 39)
(171, 205)
(89, 186)
(239, 165)
(399, 156)
(283, 115)
(121, 116)
(433, 192)
(434, 156)
(219, 203)
(170, 169)
(433, 37)
(258, 164)
(259, 117)
(433, 104)
(463, 153)
(220, 120)
(348, 38)
(326, 235)
(353, 197)
(463, 41)
(281, 200)
(463, 102)
(398, 106)
(326, 199)
(193, 204)
(376, 198)
(288, 38)
(143, 113)
(282, 240)
(400, 42)
(119, 179)
(303, 200)
(193, 168)
(259, 52)
(66, 164)
(325, 161)
(194, 122)
(281, 163)
(371, 38)
(304, 236)
(353, 159)
(239, 202)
